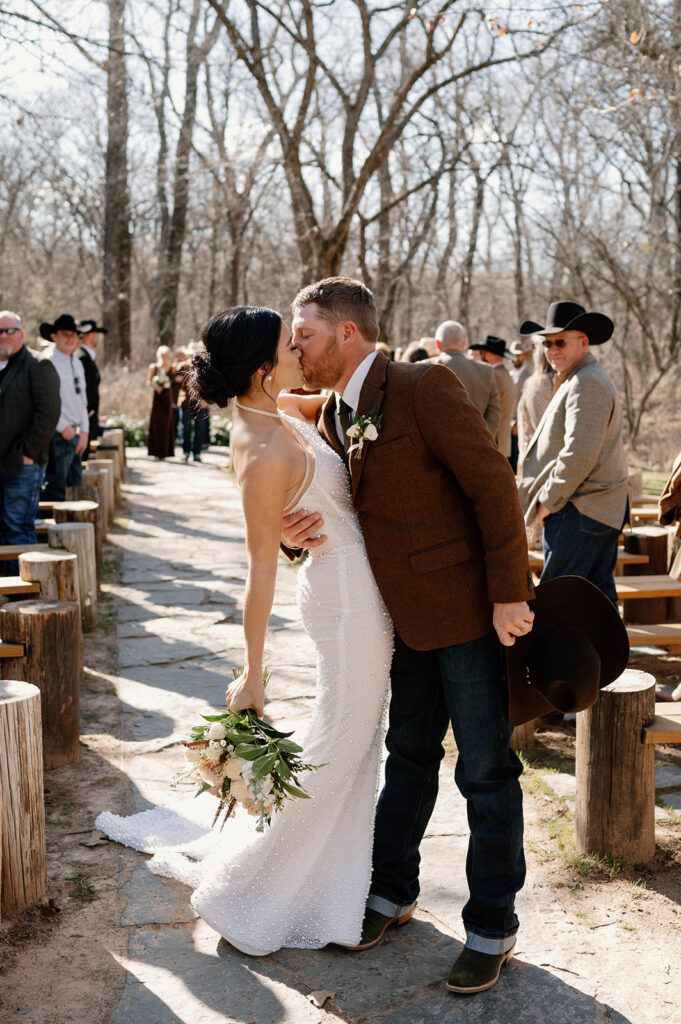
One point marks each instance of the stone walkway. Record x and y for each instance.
(179, 637)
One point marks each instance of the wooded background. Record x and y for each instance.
(163, 159)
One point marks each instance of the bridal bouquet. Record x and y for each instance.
(242, 760)
(161, 380)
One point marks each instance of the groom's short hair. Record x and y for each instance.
(340, 299)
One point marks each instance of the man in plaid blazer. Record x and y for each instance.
(574, 471)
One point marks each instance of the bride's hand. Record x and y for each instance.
(301, 530)
(246, 691)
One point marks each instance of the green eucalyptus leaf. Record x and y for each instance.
(294, 791)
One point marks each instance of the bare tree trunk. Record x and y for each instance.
(170, 255)
(117, 237)
(467, 268)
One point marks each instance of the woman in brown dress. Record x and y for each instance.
(161, 442)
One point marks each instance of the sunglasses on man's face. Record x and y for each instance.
(558, 343)
(10, 331)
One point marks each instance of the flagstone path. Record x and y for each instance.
(179, 635)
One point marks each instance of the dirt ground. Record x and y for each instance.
(62, 961)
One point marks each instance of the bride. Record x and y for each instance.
(303, 882)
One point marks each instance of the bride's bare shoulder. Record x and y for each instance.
(262, 457)
(302, 407)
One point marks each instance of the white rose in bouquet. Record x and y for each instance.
(216, 731)
(240, 791)
(233, 767)
(211, 772)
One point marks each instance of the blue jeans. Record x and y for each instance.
(19, 497)
(575, 545)
(465, 683)
(189, 420)
(64, 468)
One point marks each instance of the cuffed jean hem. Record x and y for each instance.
(387, 908)
(485, 944)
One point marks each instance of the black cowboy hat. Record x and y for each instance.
(578, 644)
(65, 322)
(90, 327)
(570, 316)
(495, 345)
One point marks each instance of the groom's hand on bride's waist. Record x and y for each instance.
(300, 529)
(512, 620)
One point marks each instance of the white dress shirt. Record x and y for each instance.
(71, 392)
(352, 390)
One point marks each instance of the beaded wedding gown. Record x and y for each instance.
(304, 881)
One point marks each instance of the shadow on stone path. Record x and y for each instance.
(179, 637)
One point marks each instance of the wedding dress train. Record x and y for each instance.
(304, 881)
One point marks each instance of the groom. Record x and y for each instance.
(445, 537)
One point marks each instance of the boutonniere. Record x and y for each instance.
(365, 428)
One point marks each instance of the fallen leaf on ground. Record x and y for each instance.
(319, 998)
(95, 839)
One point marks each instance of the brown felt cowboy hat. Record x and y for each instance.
(578, 644)
(570, 316)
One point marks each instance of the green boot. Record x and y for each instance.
(475, 972)
(375, 926)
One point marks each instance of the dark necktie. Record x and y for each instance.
(345, 416)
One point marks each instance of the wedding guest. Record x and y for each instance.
(536, 394)
(178, 359)
(494, 352)
(478, 379)
(193, 415)
(574, 471)
(29, 410)
(522, 370)
(534, 400)
(161, 443)
(89, 339)
(64, 466)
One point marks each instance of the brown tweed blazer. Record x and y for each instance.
(437, 503)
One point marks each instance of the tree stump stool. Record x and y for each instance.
(79, 538)
(652, 541)
(615, 769)
(113, 456)
(55, 571)
(522, 737)
(83, 512)
(108, 467)
(23, 875)
(96, 481)
(116, 436)
(52, 638)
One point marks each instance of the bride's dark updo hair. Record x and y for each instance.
(237, 341)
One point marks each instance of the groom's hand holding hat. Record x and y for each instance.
(512, 620)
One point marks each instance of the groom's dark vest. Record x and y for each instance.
(437, 503)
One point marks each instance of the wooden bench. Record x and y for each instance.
(644, 514)
(10, 586)
(11, 650)
(623, 558)
(666, 728)
(664, 634)
(12, 551)
(637, 587)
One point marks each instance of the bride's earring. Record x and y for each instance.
(268, 377)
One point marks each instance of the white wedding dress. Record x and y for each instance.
(304, 881)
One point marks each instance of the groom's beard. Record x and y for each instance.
(328, 369)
